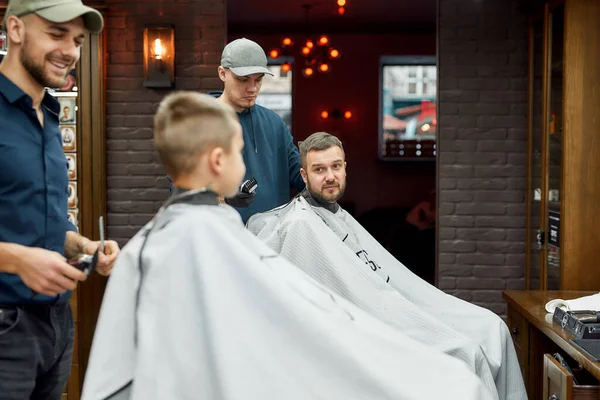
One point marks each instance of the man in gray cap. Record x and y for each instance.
(36, 237)
(270, 154)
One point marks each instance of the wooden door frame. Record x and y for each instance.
(93, 191)
(539, 15)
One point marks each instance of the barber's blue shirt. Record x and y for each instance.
(33, 184)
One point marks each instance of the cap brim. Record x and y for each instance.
(245, 71)
(92, 19)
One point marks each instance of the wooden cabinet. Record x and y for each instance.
(558, 383)
(519, 329)
(536, 338)
(563, 211)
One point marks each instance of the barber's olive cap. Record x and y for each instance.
(244, 57)
(58, 11)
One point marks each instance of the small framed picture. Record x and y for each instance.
(68, 109)
(73, 217)
(72, 202)
(72, 165)
(69, 138)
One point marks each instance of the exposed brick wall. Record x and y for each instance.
(482, 149)
(136, 182)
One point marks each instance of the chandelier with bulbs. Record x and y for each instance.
(317, 52)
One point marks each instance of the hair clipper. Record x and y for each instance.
(86, 262)
(249, 186)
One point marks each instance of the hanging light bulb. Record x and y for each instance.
(324, 67)
(324, 114)
(286, 67)
(341, 3)
(323, 41)
(309, 44)
(308, 71)
(287, 42)
(348, 114)
(274, 53)
(334, 54)
(306, 50)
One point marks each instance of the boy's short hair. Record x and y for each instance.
(318, 141)
(188, 124)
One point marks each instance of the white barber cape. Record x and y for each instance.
(220, 316)
(339, 253)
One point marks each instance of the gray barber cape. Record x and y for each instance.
(214, 313)
(338, 252)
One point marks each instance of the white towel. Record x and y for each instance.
(591, 302)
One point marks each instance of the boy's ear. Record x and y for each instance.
(215, 160)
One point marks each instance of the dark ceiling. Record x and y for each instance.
(361, 16)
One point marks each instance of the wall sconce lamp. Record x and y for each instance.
(159, 57)
(336, 113)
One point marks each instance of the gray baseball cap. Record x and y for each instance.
(58, 11)
(244, 57)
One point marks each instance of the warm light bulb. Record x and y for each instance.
(341, 10)
(158, 49)
(305, 51)
(323, 40)
(341, 3)
(286, 67)
(334, 53)
(348, 114)
(274, 53)
(287, 41)
(308, 71)
(310, 44)
(324, 114)
(324, 67)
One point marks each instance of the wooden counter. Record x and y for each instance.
(535, 333)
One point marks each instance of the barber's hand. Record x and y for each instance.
(241, 200)
(47, 272)
(106, 259)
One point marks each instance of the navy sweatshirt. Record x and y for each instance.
(270, 156)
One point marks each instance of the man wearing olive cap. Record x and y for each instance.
(269, 154)
(36, 237)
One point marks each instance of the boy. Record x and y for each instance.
(199, 308)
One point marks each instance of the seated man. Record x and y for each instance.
(315, 233)
(199, 308)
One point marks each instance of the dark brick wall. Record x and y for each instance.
(482, 149)
(136, 182)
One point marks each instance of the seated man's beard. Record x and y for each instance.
(323, 198)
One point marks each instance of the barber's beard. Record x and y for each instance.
(37, 71)
(321, 197)
(245, 104)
